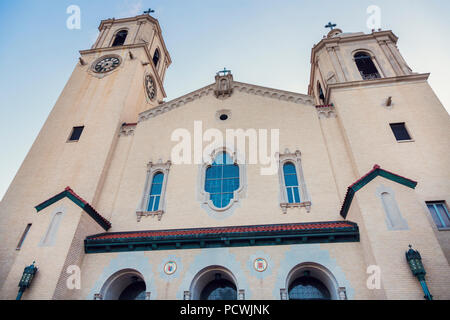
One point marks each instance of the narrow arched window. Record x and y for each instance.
(119, 40)
(222, 179)
(291, 183)
(320, 92)
(155, 192)
(366, 66)
(156, 57)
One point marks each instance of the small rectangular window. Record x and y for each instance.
(24, 235)
(439, 213)
(76, 133)
(400, 132)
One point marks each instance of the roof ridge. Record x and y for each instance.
(72, 195)
(273, 93)
(368, 177)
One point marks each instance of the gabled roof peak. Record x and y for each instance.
(79, 201)
(288, 96)
(364, 180)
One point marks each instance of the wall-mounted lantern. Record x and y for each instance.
(415, 264)
(27, 277)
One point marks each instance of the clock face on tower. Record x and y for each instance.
(150, 87)
(106, 64)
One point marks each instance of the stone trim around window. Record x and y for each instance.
(305, 200)
(204, 196)
(152, 169)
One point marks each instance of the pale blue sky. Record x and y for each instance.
(263, 42)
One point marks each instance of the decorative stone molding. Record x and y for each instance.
(326, 111)
(273, 93)
(297, 98)
(285, 206)
(204, 196)
(152, 169)
(305, 201)
(176, 103)
(376, 82)
(127, 129)
(224, 86)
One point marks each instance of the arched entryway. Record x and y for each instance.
(309, 281)
(214, 283)
(127, 284)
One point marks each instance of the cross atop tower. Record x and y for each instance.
(149, 11)
(330, 25)
(224, 71)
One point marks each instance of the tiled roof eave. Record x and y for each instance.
(225, 239)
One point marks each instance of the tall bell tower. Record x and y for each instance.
(119, 77)
(374, 110)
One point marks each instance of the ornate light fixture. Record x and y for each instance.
(415, 264)
(27, 277)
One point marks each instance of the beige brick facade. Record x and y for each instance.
(339, 138)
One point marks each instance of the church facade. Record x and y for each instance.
(126, 196)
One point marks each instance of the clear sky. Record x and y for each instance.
(263, 42)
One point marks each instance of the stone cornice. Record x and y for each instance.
(130, 46)
(141, 17)
(237, 86)
(273, 93)
(374, 82)
(175, 103)
(388, 34)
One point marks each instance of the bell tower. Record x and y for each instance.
(375, 111)
(119, 77)
(351, 57)
(137, 38)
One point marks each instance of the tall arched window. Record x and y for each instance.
(155, 192)
(291, 183)
(119, 40)
(222, 179)
(366, 66)
(156, 57)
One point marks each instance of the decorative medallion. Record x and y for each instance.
(170, 268)
(260, 264)
(150, 87)
(106, 64)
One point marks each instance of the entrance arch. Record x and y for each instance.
(311, 281)
(126, 284)
(214, 283)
